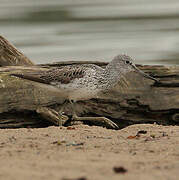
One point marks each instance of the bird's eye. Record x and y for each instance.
(128, 62)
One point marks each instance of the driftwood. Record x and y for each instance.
(10, 56)
(24, 103)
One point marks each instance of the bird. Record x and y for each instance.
(85, 81)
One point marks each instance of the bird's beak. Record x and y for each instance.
(144, 74)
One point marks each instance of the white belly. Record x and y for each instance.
(82, 94)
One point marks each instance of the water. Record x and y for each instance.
(48, 31)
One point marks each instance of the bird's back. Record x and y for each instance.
(69, 80)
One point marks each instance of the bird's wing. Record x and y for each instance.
(63, 75)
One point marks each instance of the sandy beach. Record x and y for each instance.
(83, 152)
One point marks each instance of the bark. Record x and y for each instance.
(141, 101)
(10, 56)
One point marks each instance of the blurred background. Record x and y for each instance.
(49, 31)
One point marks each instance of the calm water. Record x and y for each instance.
(48, 31)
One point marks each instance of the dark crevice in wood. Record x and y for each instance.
(16, 119)
(165, 76)
(167, 85)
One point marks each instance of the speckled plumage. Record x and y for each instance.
(80, 82)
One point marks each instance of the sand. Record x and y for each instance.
(84, 152)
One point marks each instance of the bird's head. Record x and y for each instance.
(124, 64)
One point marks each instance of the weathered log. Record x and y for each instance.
(142, 102)
(10, 56)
